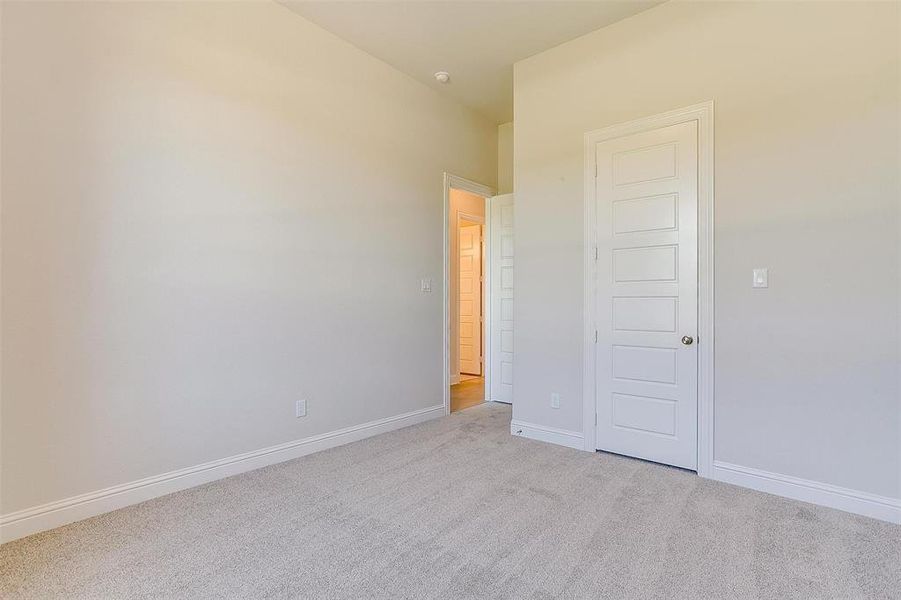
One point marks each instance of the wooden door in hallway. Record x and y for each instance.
(470, 303)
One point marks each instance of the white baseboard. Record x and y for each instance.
(561, 437)
(55, 514)
(824, 494)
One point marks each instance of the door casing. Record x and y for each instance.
(702, 113)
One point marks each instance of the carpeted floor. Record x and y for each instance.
(457, 508)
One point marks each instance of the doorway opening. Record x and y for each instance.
(466, 277)
(470, 259)
(478, 295)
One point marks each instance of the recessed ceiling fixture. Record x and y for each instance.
(442, 76)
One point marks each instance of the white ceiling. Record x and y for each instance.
(477, 42)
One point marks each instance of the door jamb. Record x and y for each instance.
(486, 192)
(703, 113)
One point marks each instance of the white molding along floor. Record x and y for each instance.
(552, 435)
(824, 494)
(55, 514)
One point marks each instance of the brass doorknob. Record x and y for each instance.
(687, 340)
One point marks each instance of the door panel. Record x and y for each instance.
(645, 264)
(651, 415)
(647, 285)
(645, 314)
(653, 213)
(502, 342)
(471, 299)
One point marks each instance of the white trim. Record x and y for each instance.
(824, 494)
(486, 299)
(551, 435)
(460, 183)
(55, 514)
(703, 114)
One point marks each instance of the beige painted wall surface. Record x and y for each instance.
(505, 158)
(807, 184)
(460, 201)
(209, 212)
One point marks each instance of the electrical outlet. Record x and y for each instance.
(300, 408)
(555, 400)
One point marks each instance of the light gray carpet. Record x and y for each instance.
(457, 508)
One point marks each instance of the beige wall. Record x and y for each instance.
(460, 201)
(209, 212)
(807, 184)
(505, 158)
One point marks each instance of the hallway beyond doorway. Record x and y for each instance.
(469, 392)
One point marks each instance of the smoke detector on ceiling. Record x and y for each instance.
(442, 76)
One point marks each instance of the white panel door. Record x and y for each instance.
(471, 299)
(647, 290)
(501, 368)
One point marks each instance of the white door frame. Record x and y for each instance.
(486, 192)
(703, 114)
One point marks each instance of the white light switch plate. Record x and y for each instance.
(760, 278)
(425, 285)
(300, 408)
(555, 400)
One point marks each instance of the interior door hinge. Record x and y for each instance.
(595, 419)
(595, 336)
(595, 252)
